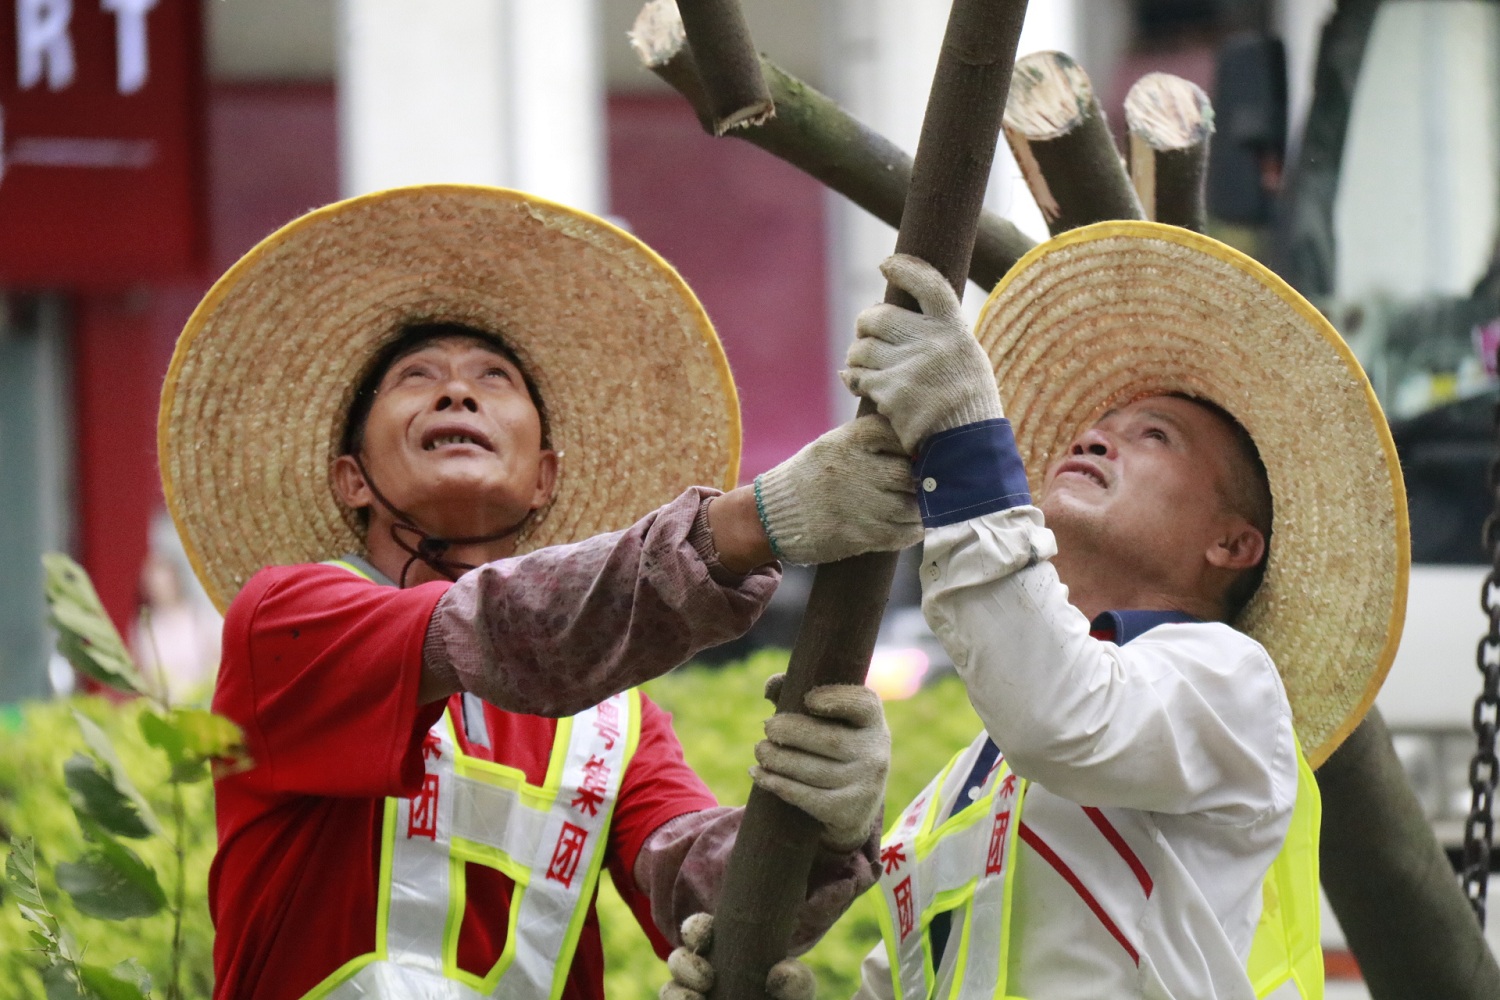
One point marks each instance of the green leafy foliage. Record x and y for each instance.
(192, 738)
(718, 715)
(85, 634)
(111, 881)
(107, 762)
(64, 975)
(35, 801)
(96, 795)
(123, 981)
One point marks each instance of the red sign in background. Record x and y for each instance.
(101, 141)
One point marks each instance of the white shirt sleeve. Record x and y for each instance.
(1185, 719)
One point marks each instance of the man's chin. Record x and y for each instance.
(1062, 508)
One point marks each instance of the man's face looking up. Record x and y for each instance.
(1160, 488)
(454, 440)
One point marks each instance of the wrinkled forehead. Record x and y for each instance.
(1187, 413)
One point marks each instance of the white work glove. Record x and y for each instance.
(693, 977)
(831, 763)
(924, 371)
(847, 493)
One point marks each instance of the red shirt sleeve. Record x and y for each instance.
(321, 669)
(658, 785)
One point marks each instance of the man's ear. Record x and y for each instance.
(350, 483)
(546, 478)
(1241, 546)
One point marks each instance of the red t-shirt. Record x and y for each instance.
(321, 668)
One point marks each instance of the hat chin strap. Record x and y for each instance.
(429, 549)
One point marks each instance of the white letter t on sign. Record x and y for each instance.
(42, 41)
(130, 42)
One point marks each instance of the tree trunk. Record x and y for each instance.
(1057, 132)
(766, 879)
(1170, 121)
(1391, 885)
(815, 135)
(1304, 229)
(728, 64)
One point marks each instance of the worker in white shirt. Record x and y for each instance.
(1155, 675)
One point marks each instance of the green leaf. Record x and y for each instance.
(85, 634)
(114, 771)
(40, 919)
(131, 970)
(95, 796)
(20, 872)
(126, 981)
(110, 881)
(63, 984)
(191, 737)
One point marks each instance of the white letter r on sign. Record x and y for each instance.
(42, 42)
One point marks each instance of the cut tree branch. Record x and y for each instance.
(766, 880)
(815, 135)
(1170, 121)
(1397, 899)
(728, 64)
(1057, 132)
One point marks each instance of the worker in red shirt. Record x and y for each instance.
(404, 440)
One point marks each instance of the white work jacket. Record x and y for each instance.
(1180, 743)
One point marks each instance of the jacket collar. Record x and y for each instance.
(1128, 625)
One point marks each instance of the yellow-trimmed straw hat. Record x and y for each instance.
(1104, 315)
(636, 388)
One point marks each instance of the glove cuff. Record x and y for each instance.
(972, 410)
(776, 506)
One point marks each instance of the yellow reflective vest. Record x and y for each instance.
(962, 866)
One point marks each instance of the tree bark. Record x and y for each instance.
(1304, 226)
(728, 64)
(1170, 121)
(815, 135)
(1397, 899)
(1057, 132)
(767, 874)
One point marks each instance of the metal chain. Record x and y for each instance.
(1479, 828)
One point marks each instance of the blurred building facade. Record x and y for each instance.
(299, 102)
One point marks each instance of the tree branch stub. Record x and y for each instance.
(1170, 121)
(728, 65)
(1062, 144)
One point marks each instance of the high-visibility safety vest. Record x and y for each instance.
(963, 866)
(549, 839)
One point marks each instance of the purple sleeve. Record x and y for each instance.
(560, 629)
(681, 869)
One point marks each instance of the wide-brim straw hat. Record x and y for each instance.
(1107, 314)
(636, 389)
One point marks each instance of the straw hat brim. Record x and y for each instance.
(637, 391)
(1107, 314)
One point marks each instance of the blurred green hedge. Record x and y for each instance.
(717, 712)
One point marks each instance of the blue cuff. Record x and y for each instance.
(968, 472)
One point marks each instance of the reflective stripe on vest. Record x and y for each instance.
(960, 866)
(549, 839)
(964, 866)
